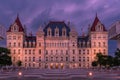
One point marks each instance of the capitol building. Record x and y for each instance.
(56, 45)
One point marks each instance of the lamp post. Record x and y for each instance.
(20, 75)
(90, 75)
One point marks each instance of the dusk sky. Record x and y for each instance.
(81, 13)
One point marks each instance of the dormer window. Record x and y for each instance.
(99, 28)
(64, 31)
(56, 31)
(15, 27)
(49, 31)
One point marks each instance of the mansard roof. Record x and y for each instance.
(57, 24)
(18, 22)
(83, 38)
(94, 25)
(30, 38)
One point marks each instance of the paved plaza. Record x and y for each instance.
(60, 74)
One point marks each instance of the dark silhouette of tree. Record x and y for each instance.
(94, 64)
(5, 58)
(117, 58)
(19, 63)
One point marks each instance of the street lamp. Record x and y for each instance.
(20, 73)
(90, 75)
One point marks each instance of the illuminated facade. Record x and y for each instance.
(56, 45)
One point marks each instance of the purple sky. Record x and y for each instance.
(81, 13)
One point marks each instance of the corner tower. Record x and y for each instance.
(15, 38)
(99, 38)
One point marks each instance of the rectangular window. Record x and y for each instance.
(39, 44)
(29, 51)
(25, 51)
(18, 44)
(40, 58)
(33, 58)
(83, 51)
(87, 51)
(73, 51)
(39, 51)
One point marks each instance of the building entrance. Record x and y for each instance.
(56, 66)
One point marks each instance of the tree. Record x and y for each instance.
(19, 63)
(100, 59)
(117, 58)
(110, 61)
(5, 58)
(94, 63)
(104, 60)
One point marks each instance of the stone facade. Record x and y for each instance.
(56, 45)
